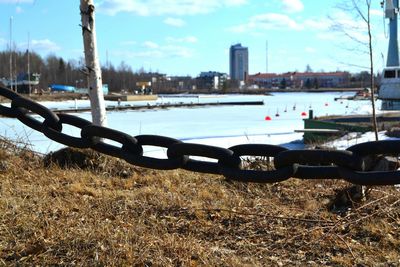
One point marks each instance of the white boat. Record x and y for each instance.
(389, 90)
(23, 84)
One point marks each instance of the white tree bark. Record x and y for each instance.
(92, 63)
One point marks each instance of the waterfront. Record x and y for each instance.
(223, 126)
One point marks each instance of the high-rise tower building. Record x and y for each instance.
(238, 62)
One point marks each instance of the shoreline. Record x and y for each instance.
(73, 96)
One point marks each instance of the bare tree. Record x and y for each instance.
(361, 11)
(93, 70)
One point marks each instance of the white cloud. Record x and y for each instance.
(163, 7)
(153, 50)
(175, 22)
(310, 50)
(292, 6)
(343, 23)
(44, 45)
(268, 21)
(177, 51)
(343, 18)
(324, 27)
(16, 1)
(234, 2)
(376, 12)
(150, 44)
(187, 39)
(313, 24)
(166, 51)
(173, 48)
(142, 54)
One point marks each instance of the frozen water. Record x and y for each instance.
(223, 126)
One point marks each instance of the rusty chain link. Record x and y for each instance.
(349, 164)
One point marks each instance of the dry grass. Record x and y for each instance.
(65, 216)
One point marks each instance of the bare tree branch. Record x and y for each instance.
(360, 13)
(363, 12)
(355, 65)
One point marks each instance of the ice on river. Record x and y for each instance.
(222, 126)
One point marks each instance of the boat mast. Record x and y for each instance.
(391, 13)
(29, 66)
(11, 62)
(266, 59)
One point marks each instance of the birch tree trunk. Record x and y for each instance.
(92, 63)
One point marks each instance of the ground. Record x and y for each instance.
(105, 212)
(59, 96)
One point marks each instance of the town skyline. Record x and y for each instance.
(178, 39)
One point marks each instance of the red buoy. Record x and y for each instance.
(268, 118)
(303, 114)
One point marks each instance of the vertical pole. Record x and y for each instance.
(95, 86)
(267, 57)
(15, 69)
(107, 62)
(29, 66)
(11, 72)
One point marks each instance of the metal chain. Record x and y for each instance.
(349, 164)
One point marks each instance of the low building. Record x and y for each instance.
(211, 80)
(173, 84)
(301, 80)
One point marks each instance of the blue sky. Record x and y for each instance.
(185, 37)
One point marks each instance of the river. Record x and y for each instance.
(218, 125)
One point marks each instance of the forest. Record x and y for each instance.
(56, 70)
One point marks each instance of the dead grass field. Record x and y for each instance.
(107, 213)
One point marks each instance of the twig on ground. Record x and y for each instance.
(347, 245)
(262, 215)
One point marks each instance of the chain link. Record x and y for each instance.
(231, 167)
(94, 134)
(65, 139)
(205, 151)
(22, 105)
(8, 94)
(171, 163)
(349, 164)
(376, 147)
(310, 162)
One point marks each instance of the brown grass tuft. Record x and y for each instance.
(71, 216)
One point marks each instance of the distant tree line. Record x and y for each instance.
(56, 70)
